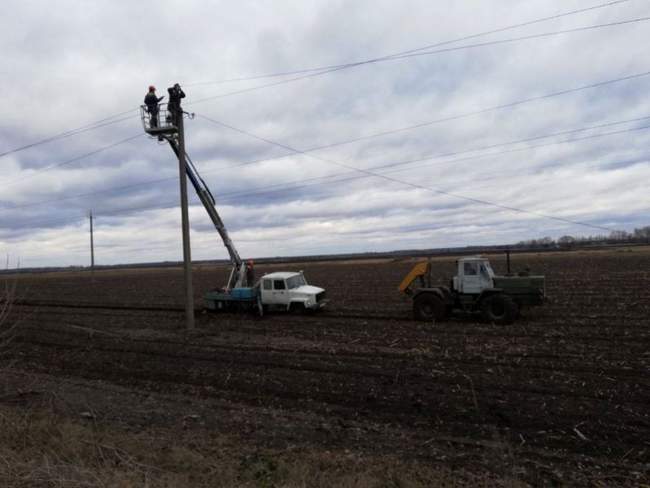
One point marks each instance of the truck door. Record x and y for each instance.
(267, 291)
(279, 295)
(471, 281)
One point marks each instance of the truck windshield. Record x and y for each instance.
(295, 281)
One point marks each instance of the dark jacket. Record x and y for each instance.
(151, 101)
(175, 95)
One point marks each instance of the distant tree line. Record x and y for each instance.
(638, 236)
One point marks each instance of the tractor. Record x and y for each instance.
(474, 289)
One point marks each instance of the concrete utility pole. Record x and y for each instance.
(187, 257)
(92, 247)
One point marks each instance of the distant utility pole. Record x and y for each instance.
(92, 247)
(187, 257)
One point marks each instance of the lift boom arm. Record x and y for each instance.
(420, 270)
(238, 274)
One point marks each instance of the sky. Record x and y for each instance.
(486, 139)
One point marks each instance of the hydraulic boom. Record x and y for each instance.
(237, 277)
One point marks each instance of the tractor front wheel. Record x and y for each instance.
(429, 307)
(499, 309)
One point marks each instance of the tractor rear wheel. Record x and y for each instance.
(499, 309)
(429, 307)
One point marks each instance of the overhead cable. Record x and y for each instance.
(352, 174)
(448, 118)
(425, 53)
(320, 71)
(333, 67)
(126, 188)
(479, 111)
(415, 185)
(73, 132)
(400, 165)
(72, 160)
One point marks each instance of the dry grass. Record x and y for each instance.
(45, 450)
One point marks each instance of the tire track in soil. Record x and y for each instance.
(402, 354)
(467, 330)
(326, 365)
(325, 315)
(271, 388)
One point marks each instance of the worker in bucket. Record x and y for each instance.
(152, 101)
(174, 104)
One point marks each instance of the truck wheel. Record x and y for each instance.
(297, 308)
(429, 307)
(499, 309)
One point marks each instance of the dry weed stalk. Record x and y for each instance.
(7, 296)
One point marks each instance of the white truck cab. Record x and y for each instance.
(290, 291)
(474, 275)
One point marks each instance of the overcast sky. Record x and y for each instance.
(68, 64)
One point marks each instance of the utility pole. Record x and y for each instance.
(187, 258)
(92, 248)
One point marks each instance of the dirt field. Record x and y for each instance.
(560, 398)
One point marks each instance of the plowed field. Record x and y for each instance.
(562, 396)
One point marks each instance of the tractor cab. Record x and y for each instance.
(474, 275)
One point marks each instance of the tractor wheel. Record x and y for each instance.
(429, 307)
(499, 309)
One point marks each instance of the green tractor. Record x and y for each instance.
(476, 289)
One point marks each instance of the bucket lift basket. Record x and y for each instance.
(159, 123)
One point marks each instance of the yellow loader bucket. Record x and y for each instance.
(418, 270)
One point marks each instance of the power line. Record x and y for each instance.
(481, 111)
(492, 146)
(119, 189)
(73, 132)
(394, 164)
(457, 116)
(396, 167)
(415, 185)
(302, 183)
(384, 133)
(235, 195)
(400, 164)
(525, 38)
(48, 223)
(129, 187)
(527, 148)
(401, 53)
(72, 160)
(327, 69)
(426, 53)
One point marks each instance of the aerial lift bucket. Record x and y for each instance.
(157, 123)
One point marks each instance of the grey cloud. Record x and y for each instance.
(80, 62)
